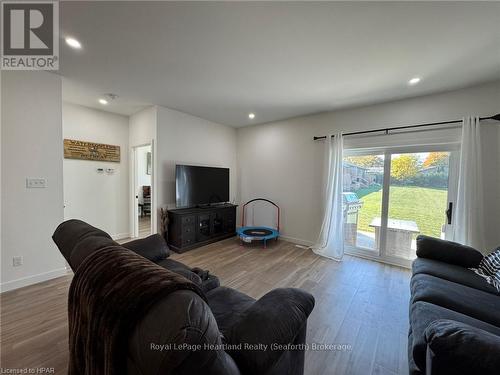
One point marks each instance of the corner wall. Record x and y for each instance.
(31, 147)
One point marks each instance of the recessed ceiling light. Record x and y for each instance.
(103, 101)
(414, 81)
(73, 43)
(251, 116)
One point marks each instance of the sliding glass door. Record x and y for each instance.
(392, 195)
(363, 178)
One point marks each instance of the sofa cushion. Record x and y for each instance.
(457, 348)
(422, 314)
(451, 272)
(228, 306)
(447, 251)
(152, 247)
(463, 299)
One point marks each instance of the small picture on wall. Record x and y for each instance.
(148, 163)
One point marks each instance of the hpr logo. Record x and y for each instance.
(30, 35)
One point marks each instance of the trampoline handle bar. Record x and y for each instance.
(260, 199)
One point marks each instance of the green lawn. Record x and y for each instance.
(425, 206)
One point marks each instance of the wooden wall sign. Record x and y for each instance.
(91, 151)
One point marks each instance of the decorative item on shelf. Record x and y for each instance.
(164, 223)
(74, 149)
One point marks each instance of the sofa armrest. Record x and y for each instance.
(274, 320)
(457, 348)
(448, 252)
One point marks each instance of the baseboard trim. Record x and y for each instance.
(403, 263)
(30, 280)
(297, 241)
(120, 236)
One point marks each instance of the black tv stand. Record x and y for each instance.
(189, 228)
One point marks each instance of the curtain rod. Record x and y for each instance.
(386, 130)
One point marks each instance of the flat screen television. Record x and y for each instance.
(196, 186)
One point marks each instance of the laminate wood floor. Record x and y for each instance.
(144, 226)
(360, 304)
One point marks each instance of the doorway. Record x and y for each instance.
(394, 194)
(142, 190)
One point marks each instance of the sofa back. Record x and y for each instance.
(76, 240)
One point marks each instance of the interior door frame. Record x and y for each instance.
(134, 186)
(454, 150)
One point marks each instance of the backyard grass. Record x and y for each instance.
(424, 206)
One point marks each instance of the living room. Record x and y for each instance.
(306, 180)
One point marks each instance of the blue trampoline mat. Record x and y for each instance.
(257, 233)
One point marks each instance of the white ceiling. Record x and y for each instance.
(83, 94)
(220, 61)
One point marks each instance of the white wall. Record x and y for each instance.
(101, 199)
(185, 139)
(142, 127)
(280, 160)
(31, 147)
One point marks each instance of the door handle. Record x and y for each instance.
(449, 212)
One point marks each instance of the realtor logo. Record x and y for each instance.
(30, 35)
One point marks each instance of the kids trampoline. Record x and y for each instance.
(249, 234)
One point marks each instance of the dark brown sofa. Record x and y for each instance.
(241, 330)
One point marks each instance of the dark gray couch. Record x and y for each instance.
(454, 313)
(230, 317)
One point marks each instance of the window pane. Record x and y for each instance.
(418, 196)
(362, 200)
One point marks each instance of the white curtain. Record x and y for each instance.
(330, 243)
(468, 222)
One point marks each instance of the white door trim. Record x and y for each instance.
(134, 187)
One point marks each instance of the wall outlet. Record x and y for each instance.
(17, 261)
(36, 183)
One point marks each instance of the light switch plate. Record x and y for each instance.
(36, 183)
